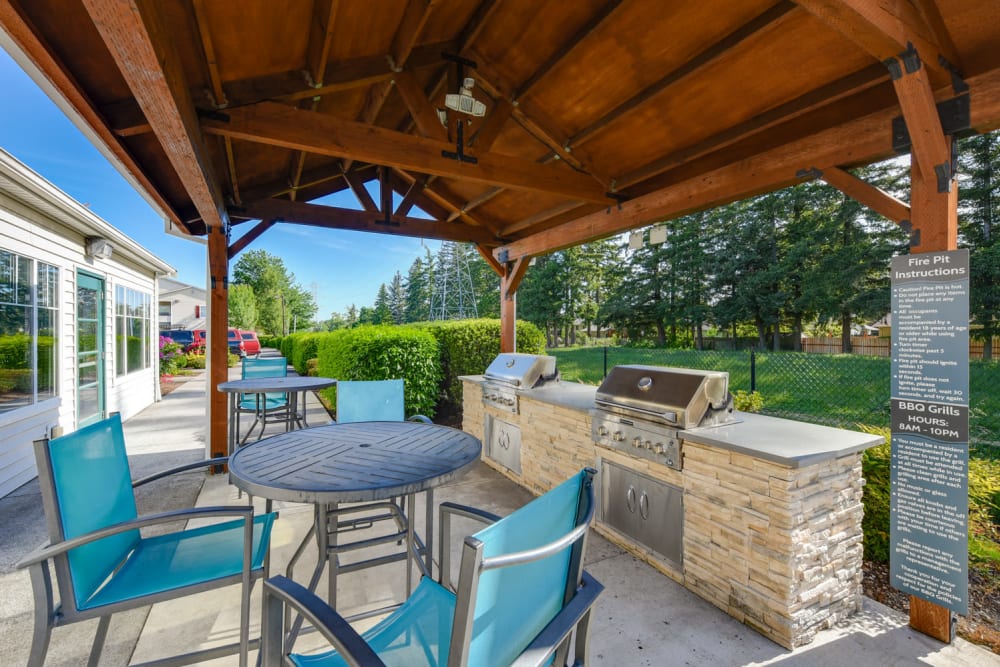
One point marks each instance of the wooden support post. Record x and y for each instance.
(935, 228)
(509, 282)
(218, 342)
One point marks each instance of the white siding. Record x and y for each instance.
(27, 232)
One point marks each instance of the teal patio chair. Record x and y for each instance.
(102, 562)
(359, 401)
(521, 592)
(270, 408)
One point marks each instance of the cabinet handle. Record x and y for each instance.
(630, 499)
(644, 506)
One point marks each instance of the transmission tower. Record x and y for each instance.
(452, 295)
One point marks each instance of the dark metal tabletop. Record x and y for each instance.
(356, 462)
(276, 384)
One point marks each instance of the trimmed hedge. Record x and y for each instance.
(299, 348)
(468, 347)
(384, 353)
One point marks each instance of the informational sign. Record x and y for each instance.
(930, 427)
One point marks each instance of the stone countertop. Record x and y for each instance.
(784, 441)
(566, 394)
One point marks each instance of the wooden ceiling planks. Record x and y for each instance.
(635, 96)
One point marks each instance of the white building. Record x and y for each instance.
(182, 306)
(77, 335)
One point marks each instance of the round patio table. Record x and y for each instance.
(292, 385)
(361, 462)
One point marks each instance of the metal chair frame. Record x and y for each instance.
(282, 595)
(281, 414)
(55, 556)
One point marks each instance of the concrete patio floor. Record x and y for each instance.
(643, 618)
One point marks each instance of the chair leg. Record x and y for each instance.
(99, 637)
(41, 585)
(582, 648)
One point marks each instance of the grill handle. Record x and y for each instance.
(670, 416)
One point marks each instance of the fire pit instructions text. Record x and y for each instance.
(930, 427)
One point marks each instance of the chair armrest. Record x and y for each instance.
(46, 552)
(558, 629)
(419, 418)
(280, 591)
(445, 511)
(221, 460)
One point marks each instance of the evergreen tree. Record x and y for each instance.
(397, 299)
(382, 312)
(979, 158)
(418, 293)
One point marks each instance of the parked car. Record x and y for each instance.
(236, 345)
(182, 337)
(200, 340)
(251, 345)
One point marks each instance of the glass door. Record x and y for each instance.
(89, 349)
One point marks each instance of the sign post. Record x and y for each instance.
(930, 427)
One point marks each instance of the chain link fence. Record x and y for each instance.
(840, 390)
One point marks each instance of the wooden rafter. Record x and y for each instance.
(476, 202)
(331, 217)
(320, 38)
(488, 257)
(490, 130)
(449, 202)
(769, 19)
(515, 271)
(874, 198)
(884, 30)
(410, 198)
(541, 216)
(474, 26)
(310, 178)
(280, 125)
(591, 26)
(357, 185)
(421, 109)
(208, 50)
(154, 75)
(236, 247)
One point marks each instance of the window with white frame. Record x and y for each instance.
(133, 331)
(28, 332)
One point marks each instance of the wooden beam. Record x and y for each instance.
(930, 147)
(208, 52)
(410, 198)
(357, 185)
(329, 217)
(218, 342)
(490, 259)
(874, 198)
(23, 34)
(476, 201)
(567, 47)
(883, 29)
(769, 19)
(474, 26)
(385, 191)
(241, 243)
(234, 182)
(451, 203)
(509, 282)
(151, 67)
(421, 109)
(515, 274)
(320, 38)
(412, 24)
(280, 125)
(541, 216)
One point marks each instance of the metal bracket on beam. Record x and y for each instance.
(619, 198)
(225, 282)
(955, 121)
(503, 255)
(811, 173)
(958, 84)
(914, 234)
(213, 114)
(910, 58)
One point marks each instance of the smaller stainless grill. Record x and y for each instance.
(511, 371)
(639, 409)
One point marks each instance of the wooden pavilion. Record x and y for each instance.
(582, 119)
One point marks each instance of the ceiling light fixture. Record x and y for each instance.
(464, 102)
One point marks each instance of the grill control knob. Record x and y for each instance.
(508, 401)
(648, 444)
(618, 436)
(602, 431)
(659, 448)
(637, 441)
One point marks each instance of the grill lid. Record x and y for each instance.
(680, 397)
(522, 370)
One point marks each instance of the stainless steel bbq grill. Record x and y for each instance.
(640, 409)
(512, 371)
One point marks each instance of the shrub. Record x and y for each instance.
(875, 497)
(748, 401)
(195, 360)
(170, 353)
(468, 347)
(384, 353)
(304, 346)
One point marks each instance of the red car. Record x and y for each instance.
(251, 345)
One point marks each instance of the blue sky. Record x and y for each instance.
(339, 267)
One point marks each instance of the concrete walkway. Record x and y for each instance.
(643, 618)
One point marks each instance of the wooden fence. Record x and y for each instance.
(875, 346)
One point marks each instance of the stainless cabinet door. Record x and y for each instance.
(645, 509)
